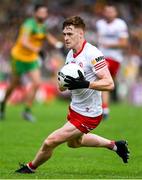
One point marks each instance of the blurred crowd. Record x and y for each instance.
(12, 14)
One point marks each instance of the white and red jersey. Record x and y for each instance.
(87, 101)
(110, 33)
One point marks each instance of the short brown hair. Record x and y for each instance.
(75, 21)
(38, 6)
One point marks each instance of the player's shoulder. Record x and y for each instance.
(92, 51)
(100, 22)
(29, 22)
(120, 22)
(94, 55)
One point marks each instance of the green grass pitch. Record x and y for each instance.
(20, 140)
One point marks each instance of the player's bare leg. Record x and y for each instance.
(93, 140)
(30, 95)
(67, 132)
(64, 134)
(15, 81)
(120, 147)
(74, 138)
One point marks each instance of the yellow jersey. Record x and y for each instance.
(37, 35)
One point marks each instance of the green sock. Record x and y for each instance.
(27, 109)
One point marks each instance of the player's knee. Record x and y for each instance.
(73, 144)
(36, 85)
(52, 141)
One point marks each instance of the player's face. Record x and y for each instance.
(110, 13)
(41, 14)
(72, 36)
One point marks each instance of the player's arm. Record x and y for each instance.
(26, 43)
(53, 41)
(104, 82)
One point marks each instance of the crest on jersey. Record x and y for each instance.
(81, 64)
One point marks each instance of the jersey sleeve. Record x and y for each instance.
(97, 60)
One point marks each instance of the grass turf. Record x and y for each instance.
(20, 140)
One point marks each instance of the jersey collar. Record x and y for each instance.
(76, 54)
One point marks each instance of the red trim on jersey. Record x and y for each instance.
(100, 65)
(83, 123)
(76, 54)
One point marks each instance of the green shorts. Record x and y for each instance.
(20, 68)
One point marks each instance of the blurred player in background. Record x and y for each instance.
(112, 35)
(25, 56)
(85, 111)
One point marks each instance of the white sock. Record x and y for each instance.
(114, 148)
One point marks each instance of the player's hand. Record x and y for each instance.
(76, 83)
(61, 88)
(59, 45)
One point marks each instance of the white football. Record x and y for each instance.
(70, 69)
